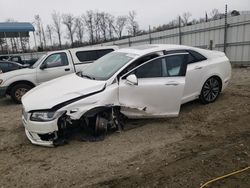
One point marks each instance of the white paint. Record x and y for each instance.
(152, 97)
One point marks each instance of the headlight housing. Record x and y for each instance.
(45, 116)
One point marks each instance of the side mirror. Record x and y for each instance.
(132, 80)
(43, 66)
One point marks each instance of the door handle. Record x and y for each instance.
(198, 67)
(67, 69)
(172, 84)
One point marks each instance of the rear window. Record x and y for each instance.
(192, 57)
(197, 56)
(86, 56)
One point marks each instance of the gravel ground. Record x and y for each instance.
(204, 142)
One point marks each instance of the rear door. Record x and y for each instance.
(161, 83)
(54, 66)
(196, 70)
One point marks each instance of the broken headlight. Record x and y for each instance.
(45, 116)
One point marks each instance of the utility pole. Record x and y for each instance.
(180, 30)
(149, 31)
(225, 31)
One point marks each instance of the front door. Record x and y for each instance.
(159, 90)
(54, 66)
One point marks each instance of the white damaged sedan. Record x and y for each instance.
(138, 82)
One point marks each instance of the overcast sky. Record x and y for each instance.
(149, 12)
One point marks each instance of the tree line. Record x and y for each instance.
(95, 27)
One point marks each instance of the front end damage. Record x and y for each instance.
(92, 126)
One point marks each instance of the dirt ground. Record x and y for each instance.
(204, 142)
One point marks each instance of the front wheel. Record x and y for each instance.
(18, 91)
(210, 90)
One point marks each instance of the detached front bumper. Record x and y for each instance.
(40, 133)
(35, 139)
(3, 91)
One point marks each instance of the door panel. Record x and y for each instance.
(194, 77)
(159, 90)
(152, 96)
(54, 66)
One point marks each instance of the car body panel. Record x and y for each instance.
(58, 92)
(35, 75)
(156, 97)
(152, 97)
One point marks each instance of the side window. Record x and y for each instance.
(15, 59)
(169, 66)
(197, 56)
(101, 53)
(152, 69)
(56, 60)
(86, 56)
(175, 65)
(192, 57)
(138, 62)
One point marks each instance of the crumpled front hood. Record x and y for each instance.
(54, 92)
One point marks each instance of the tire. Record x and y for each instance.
(18, 91)
(210, 90)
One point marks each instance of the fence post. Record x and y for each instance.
(129, 42)
(225, 31)
(180, 30)
(149, 32)
(211, 45)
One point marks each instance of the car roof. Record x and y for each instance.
(146, 49)
(86, 48)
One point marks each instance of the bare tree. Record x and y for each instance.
(89, 22)
(1, 44)
(185, 17)
(56, 17)
(110, 24)
(39, 29)
(133, 26)
(68, 21)
(103, 22)
(79, 29)
(49, 30)
(44, 36)
(120, 24)
(97, 27)
(215, 14)
(12, 39)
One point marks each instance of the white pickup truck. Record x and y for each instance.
(49, 66)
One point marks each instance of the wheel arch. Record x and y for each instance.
(96, 110)
(215, 76)
(19, 82)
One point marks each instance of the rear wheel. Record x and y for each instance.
(18, 91)
(210, 90)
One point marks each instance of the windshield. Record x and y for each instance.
(107, 66)
(38, 61)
